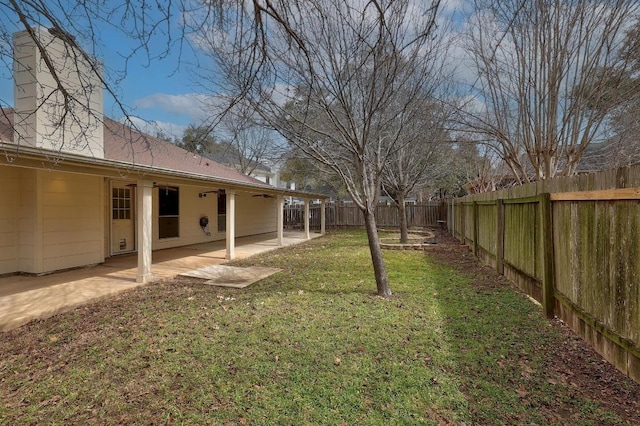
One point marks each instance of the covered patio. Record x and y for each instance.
(25, 298)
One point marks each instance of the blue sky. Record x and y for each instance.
(160, 90)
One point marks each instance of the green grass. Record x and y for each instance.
(311, 345)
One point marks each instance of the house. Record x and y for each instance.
(272, 177)
(615, 152)
(77, 187)
(489, 183)
(262, 172)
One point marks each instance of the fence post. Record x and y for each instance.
(500, 236)
(476, 223)
(463, 224)
(546, 240)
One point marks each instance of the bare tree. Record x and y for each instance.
(310, 175)
(248, 141)
(622, 147)
(418, 160)
(145, 25)
(326, 74)
(538, 64)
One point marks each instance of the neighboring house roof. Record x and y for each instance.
(222, 156)
(227, 155)
(261, 167)
(123, 144)
(488, 183)
(612, 153)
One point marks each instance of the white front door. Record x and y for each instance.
(123, 226)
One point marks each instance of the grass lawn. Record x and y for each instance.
(311, 345)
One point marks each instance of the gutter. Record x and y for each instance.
(14, 152)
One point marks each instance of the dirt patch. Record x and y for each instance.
(423, 239)
(572, 362)
(414, 238)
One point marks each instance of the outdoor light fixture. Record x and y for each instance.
(204, 193)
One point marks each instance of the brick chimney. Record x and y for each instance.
(41, 118)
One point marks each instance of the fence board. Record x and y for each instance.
(349, 216)
(520, 237)
(468, 224)
(562, 249)
(594, 244)
(487, 228)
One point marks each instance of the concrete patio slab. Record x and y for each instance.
(21, 307)
(26, 298)
(231, 276)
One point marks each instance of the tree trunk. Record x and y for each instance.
(379, 268)
(402, 212)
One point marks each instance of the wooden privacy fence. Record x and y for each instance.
(573, 244)
(350, 216)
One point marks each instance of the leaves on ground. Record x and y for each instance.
(456, 344)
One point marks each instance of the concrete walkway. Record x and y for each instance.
(25, 298)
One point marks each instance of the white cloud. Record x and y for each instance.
(155, 128)
(455, 6)
(190, 105)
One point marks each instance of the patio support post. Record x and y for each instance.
(306, 219)
(323, 220)
(231, 225)
(144, 201)
(280, 221)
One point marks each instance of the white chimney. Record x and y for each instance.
(41, 118)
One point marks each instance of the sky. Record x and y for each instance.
(162, 91)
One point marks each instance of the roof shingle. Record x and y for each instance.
(124, 144)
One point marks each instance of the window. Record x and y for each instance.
(168, 212)
(121, 203)
(222, 211)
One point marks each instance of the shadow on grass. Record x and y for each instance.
(310, 345)
(505, 354)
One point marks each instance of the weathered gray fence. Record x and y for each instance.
(349, 216)
(574, 245)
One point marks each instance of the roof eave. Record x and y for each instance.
(25, 156)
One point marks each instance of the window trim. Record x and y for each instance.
(166, 221)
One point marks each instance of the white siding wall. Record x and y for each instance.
(55, 220)
(10, 196)
(30, 258)
(192, 207)
(72, 220)
(255, 215)
(50, 220)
